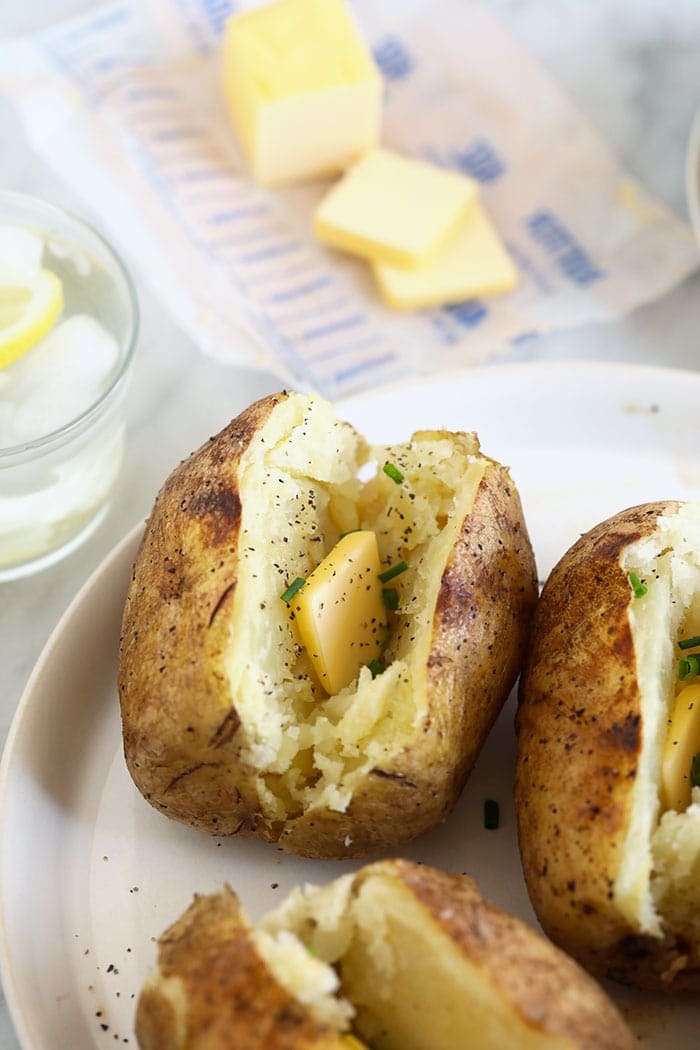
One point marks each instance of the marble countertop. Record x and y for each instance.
(630, 65)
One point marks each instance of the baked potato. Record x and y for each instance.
(608, 819)
(228, 724)
(406, 956)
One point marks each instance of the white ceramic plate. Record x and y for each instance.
(90, 874)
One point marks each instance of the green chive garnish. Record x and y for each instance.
(492, 814)
(689, 667)
(287, 595)
(639, 588)
(695, 771)
(689, 643)
(390, 597)
(393, 472)
(376, 667)
(393, 570)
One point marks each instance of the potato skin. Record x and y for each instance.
(178, 722)
(579, 728)
(214, 992)
(535, 980)
(180, 726)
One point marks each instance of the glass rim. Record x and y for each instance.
(80, 421)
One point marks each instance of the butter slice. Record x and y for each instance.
(340, 613)
(394, 209)
(472, 263)
(302, 88)
(682, 742)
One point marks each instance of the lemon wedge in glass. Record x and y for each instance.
(27, 314)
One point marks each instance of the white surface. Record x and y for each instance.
(90, 873)
(631, 66)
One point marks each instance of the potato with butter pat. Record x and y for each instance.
(609, 820)
(398, 956)
(233, 722)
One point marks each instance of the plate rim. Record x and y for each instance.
(571, 369)
(574, 367)
(8, 978)
(692, 175)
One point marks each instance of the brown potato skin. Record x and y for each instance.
(178, 723)
(537, 981)
(229, 997)
(181, 732)
(579, 727)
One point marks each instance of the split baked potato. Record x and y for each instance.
(228, 724)
(608, 727)
(397, 957)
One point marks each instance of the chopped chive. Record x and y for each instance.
(695, 771)
(393, 570)
(639, 588)
(390, 597)
(689, 643)
(297, 584)
(393, 472)
(492, 814)
(689, 667)
(376, 667)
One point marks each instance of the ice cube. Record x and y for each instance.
(20, 256)
(64, 250)
(61, 377)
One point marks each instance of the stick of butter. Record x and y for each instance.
(302, 88)
(394, 209)
(472, 263)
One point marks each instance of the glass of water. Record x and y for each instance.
(68, 326)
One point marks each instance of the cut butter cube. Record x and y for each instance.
(472, 263)
(682, 743)
(394, 209)
(340, 613)
(302, 88)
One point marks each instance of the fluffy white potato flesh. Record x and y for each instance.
(300, 490)
(657, 879)
(305, 976)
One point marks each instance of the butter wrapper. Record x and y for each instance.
(125, 104)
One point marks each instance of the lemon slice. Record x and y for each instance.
(27, 314)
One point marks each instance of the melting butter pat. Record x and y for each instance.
(394, 209)
(340, 613)
(472, 263)
(682, 743)
(351, 1043)
(302, 88)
